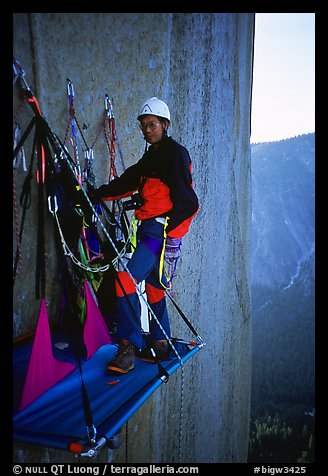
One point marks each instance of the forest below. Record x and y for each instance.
(283, 302)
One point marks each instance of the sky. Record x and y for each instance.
(283, 98)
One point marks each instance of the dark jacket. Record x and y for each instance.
(163, 179)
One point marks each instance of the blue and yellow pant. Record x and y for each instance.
(144, 265)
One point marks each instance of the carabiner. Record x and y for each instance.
(88, 154)
(19, 72)
(92, 433)
(70, 88)
(109, 107)
(53, 207)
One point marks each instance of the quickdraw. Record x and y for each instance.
(110, 136)
(72, 122)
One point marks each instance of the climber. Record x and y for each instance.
(168, 203)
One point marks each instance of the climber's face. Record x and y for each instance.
(152, 128)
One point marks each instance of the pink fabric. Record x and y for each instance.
(44, 370)
(95, 333)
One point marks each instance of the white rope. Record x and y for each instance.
(77, 262)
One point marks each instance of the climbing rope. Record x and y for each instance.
(17, 234)
(20, 158)
(53, 208)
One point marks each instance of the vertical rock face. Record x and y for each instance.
(201, 65)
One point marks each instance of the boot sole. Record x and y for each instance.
(145, 359)
(151, 359)
(121, 371)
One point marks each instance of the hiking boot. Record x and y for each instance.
(123, 360)
(160, 348)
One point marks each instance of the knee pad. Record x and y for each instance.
(154, 294)
(124, 284)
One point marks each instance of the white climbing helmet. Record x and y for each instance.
(156, 107)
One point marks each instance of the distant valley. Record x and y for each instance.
(283, 294)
